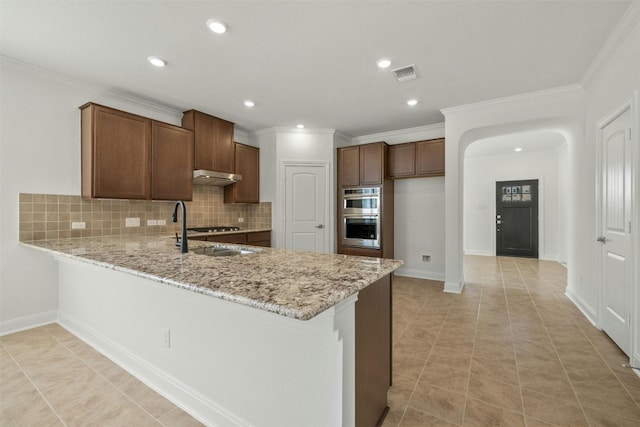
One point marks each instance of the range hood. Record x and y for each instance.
(220, 179)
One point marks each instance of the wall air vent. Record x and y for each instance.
(406, 73)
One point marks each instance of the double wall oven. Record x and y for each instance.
(361, 217)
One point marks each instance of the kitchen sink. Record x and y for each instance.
(220, 250)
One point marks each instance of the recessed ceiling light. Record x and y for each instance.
(216, 26)
(300, 126)
(249, 103)
(384, 63)
(412, 102)
(518, 149)
(158, 62)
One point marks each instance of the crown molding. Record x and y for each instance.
(509, 99)
(277, 130)
(619, 34)
(130, 98)
(384, 136)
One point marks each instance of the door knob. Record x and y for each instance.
(319, 226)
(601, 239)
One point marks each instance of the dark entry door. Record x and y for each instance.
(517, 218)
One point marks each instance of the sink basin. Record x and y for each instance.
(219, 250)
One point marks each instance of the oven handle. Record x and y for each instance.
(372, 216)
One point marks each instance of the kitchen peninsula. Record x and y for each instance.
(270, 338)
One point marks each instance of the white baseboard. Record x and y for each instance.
(546, 257)
(479, 252)
(180, 394)
(27, 322)
(585, 308)
(454, 287)
(420, 274)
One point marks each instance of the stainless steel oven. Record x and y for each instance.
(362, 200)
(362, 231)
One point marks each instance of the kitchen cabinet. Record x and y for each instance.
(417, 159)
(253, 238)
(430, 157)
(362, 165)
(259, 238)
(116, 148)
(171, 162)
(247, 164)
(402, 160)
(126, 156)
(373, 352)
(213, 141)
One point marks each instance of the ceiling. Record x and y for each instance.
(313, 62)
(529, 142)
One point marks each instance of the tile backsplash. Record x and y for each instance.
(49, 216)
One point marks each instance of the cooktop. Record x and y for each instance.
(213, 229)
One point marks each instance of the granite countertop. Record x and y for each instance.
(300, 285)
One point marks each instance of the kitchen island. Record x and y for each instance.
(263, 339)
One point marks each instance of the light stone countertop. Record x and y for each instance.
(300, 285)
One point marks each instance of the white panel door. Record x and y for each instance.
(615, 240)
(305, 208)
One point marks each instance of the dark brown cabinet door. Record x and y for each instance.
(349, 166)
(115, 153)
(402, 160)
(213, 141)
(247, 164)
(259, 238)
(171, 162)
(372, 164)
(430, 158)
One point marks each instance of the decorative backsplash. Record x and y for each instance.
(49, 216)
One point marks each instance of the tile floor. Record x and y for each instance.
(48, 377)
(511, 350)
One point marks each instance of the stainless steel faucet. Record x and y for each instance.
(182, 242)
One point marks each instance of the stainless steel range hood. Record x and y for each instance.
(220, 179)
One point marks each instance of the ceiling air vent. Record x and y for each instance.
(404, 74)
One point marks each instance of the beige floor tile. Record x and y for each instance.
(496, 393)
(445, 377)
(415, 418)
(438, 402)
(149, 400)
(30, 410)
(533, 422)
(405, 365)
(502, 370)
(553, 410)
(480, 414)
(107, 406)
(394, 416)
(178, 418)
(599, 418)
(399, 394)
(543, 382)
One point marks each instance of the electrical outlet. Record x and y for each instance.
(161, 222)
(426, 258)
(166, 338)
(240, 219)
(152, 222)
(132, 222)
(78, 225)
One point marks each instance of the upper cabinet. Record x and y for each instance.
(213, 141)
(126, 156)
(430, 157)
(417, 159)
(247, 164)
(171, 162)
(362, 165)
